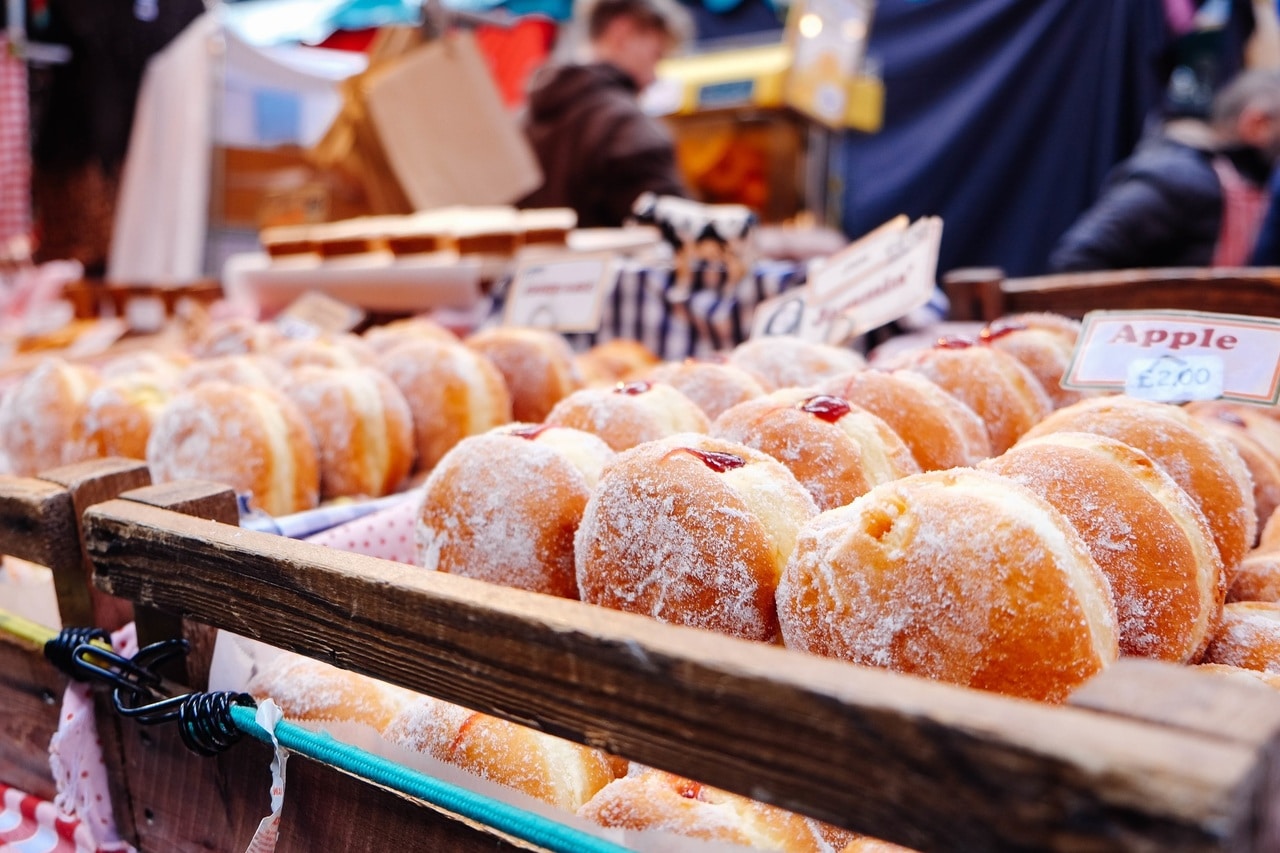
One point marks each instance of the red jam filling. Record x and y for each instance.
(955, 342)
(718, 462)
(999, 329)
(825, 407)
(632, 388)
(530, 432)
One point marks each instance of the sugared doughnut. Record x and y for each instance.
(614, 361)
(452, 393)
(712, 386)
(692, 530)
(311, 691)
(550, 769)
(1045, 351)
(629, 413)
(1146, 534)
(503, 507)
(238, 336)
(1249, 637)
(785, 362)
(252, 370)
(836, 450)
(361, 425)
(1240, 674)
(1208, 467)
(537, 366)
(654, 800)
(252, 439)
(1270, 538)
(383, 339)
(1006, 396)
(940, 431)
(1256, 438)
(1257, 578)
(165, 365)
(41, 417)
(328, 351)
(960, 576)
(874, 845)
(119, 414)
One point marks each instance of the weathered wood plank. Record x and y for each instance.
(924, 764)
(31, 690)
(38, 524)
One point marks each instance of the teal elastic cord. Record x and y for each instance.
(507, 819)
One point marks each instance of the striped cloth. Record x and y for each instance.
(31, 825)
(15, 148)
(1243, 207)
(678, 321)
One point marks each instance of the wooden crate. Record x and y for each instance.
(1145, 757)
(983, 294)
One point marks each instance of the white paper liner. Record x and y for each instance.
(237, 659)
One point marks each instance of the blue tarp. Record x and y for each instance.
(1002, 117)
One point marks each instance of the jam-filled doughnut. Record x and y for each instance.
(1144, 531)
(452, 393)
(960, 576)
(253, 439)
(503, 507)
(239, 336)
(343, 351)
(835, 449)
(361, 425)
(1005, 394)
(785, 362)
(1249, 637)
(537, 365)
(41, 417)
(692, 530)
(1043, 347)
(1207, 466)
(382, 339)
(254, 370)
(614, 361)
(713, 386)
(1256, 438)
(629, 413)
(119, 414)
(941, 431)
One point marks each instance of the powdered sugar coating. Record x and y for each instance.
(713, 387)
(955, 575)
(307, 689)
(119, 414)
(41, 416)
(784, 362)
(1249, 637)
(624, 420)
(382, 339)
(1047, 354)
(667, 537)
(1203, 464)
(504, 509)
(1257, 578)
(1008, 398)
(251, 370)
(537, 366)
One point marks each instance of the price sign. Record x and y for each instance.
(144, 314)
(313, 314)
(561, 291)
(1178, 355)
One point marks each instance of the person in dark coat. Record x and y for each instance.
(1167, 204)
(597, 149)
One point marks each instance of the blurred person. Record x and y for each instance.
(1192, 195)
(597, 149)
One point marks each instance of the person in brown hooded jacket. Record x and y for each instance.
(597, 149)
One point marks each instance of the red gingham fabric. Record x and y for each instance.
(1243, 207)
(15, 149)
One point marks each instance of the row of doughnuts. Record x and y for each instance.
(604, 789)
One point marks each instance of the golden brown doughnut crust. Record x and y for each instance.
(614, 361)
(1005, 395)
(382, 339)
(835, 456)
(667, 536)
(1249, 637)
(958, 575)
(1207, 466)
(308, 690)
(41, 417)
(1045, 352)
(537, 366)
(252, 439)
(784, 362)
(1257, 578)
(1144, 531)
(119, 414)
(712, 386)
(629, 413)
(452, 393)
(253, 370)
(361, 425)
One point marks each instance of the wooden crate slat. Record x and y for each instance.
(924, 764)
(30, 699)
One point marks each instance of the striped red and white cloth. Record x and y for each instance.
(15, 147)
(1244, 205)
(29, 824)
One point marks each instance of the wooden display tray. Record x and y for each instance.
(1144, 757)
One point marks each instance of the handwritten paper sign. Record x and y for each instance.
(1176, 356)
(892, 273)
(315, 313)
(562, 291)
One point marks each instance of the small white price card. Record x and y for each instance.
(1175, 379)
(144, 314)
(563, 291)
(1178, 355)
